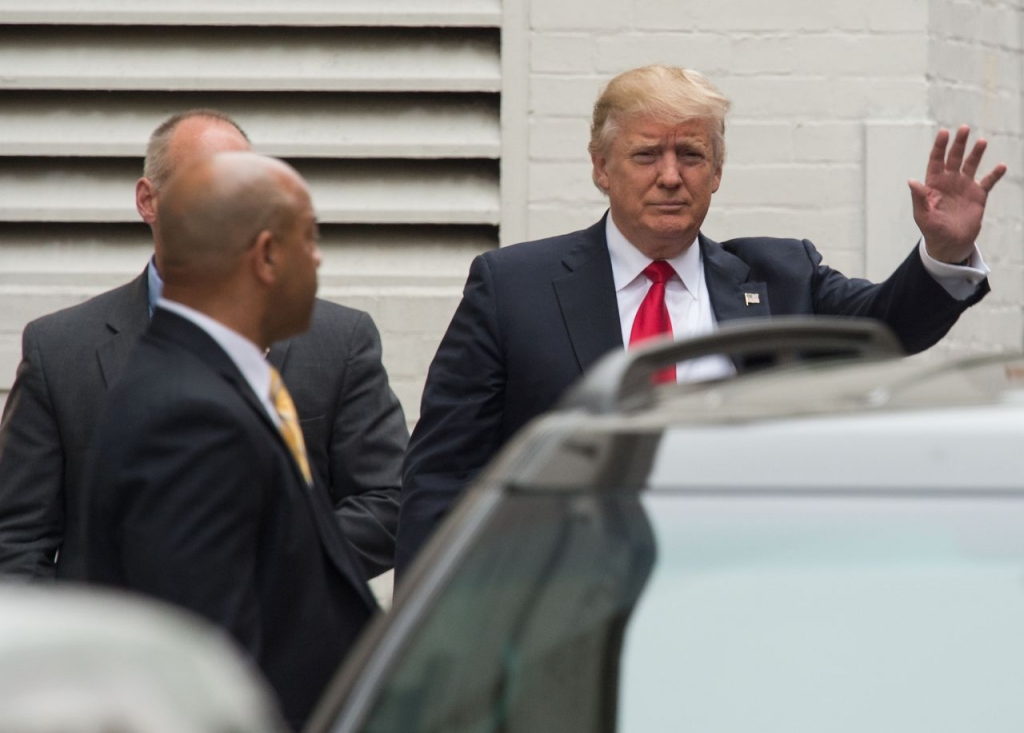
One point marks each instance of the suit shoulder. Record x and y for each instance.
(76, 321)
(332, 321)
(171, 375)
(329, 314)
(539, 252)
(335, 329)
(756, 248)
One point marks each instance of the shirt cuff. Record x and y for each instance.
(960, 281)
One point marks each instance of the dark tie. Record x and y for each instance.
(653, 319)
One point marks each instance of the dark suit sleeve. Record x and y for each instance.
(461, 415)
(188, 495)
(910, 301)
(368, 440)
(31, 472)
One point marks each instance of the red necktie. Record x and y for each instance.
(652, 319)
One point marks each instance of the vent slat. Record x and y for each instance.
(442, 13)
(249, 59)
(285, 125)
(370, 192)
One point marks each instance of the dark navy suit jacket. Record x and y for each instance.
(535, 315)
(192, 496)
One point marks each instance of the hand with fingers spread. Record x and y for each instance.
(950, 204)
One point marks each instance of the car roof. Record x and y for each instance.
(845, 387)
(863, 422)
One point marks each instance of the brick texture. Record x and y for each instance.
(975, 61)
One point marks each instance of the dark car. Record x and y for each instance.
(832, 540)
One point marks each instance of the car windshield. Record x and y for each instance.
(773, 611)
(822, 612)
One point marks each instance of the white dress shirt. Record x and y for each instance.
(246, 355)
(686, 297)
(689, 305)
(960, 281)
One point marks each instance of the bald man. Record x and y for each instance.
(199, 492)
(353, 424)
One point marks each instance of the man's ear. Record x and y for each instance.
(145, 200)
(717, 181)
(600, 173)
(264, 257)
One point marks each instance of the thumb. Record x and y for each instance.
(918, 195)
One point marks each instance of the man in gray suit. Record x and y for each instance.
(352, 422)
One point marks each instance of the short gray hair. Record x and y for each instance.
(158, 163)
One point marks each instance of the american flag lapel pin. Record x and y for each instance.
(751, 299)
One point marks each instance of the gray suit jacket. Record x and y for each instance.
(352, 422)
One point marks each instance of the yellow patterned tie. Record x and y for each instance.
(290, 430)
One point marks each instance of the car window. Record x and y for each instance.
(781, 613)
(526, 636)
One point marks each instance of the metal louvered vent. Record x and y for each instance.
(389, 108)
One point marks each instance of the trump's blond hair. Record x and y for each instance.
(667, 94)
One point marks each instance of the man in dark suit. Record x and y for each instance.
(199, 490)
(353, 423)
(534, 316)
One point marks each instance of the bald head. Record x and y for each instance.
(187, 135)
(239, 241)
(213, 209)
(176, 143)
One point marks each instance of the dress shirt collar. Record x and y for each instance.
(628, 263)
(156, 285)
(246, 355)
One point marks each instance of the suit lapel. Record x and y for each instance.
(126, 322)
(180, 330)
(733, 295)
(586, 293)
(334, 542)
(586, 297)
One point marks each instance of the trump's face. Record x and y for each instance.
(659, 178)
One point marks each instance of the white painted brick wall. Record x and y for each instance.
(808, 80)
(976, 65)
